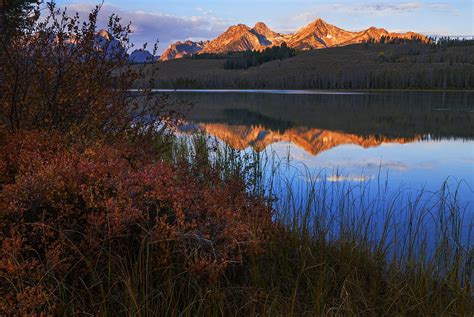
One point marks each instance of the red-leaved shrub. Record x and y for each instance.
(66, 211)
(82, 187)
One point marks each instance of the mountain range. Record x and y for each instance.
(181, 49)
(141, 56)
(316, 35)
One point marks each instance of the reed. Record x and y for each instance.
(336, 248)
(340, 249)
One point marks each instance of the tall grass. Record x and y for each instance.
(341, 249)
(337, 249)
(407, 227)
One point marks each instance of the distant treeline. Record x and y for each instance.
(247, 59)
(244, 60)
(450, 42)
(439, 78)
(443, 41)
(396, 40)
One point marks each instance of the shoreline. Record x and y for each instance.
(296, 91)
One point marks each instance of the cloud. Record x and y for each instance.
(442, 7)
(204, 25)
(368, 9)
(392, 8)
(150, 26)
(337, 178)
(349, 178)
(368, 164)
(354, 164)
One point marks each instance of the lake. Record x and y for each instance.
(395, 142)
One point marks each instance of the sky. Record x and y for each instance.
(173, 20)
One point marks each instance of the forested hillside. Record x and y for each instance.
(360, 66)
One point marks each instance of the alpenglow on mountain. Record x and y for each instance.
(181, 49)
(316, 35)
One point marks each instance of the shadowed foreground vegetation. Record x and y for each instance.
(191, 232)
(104, 212)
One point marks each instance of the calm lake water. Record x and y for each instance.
(409, 141)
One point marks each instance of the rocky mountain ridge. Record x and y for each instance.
(316, 35)
(181, 49)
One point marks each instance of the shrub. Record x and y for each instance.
(69, 211)
(60, 74)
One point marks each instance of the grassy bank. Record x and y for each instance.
(326, 251)
(335, 254)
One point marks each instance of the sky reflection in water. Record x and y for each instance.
(401, 134)
(401, 139)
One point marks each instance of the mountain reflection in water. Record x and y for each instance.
(351, 137)
(313, 141)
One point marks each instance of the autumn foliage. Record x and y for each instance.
(65, 211)
(83, 183)
(61, 74)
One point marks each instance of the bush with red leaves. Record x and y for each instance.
(82, 190)
(65, 212)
